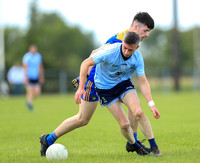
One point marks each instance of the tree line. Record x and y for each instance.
(64, 47)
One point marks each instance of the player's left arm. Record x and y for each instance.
(146, 91)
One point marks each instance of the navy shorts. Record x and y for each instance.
(33, 82)
(109, 96)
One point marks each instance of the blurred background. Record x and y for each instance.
(67, 31)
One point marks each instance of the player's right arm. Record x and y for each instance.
(83, 77)
(75, 82)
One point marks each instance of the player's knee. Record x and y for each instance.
(83, 121)
(139, 114)
(125, 125)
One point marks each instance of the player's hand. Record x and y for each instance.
(78, 94)
(75, 82)
(155, 111)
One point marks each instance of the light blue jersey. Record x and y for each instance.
(33, 62)
(111, 68)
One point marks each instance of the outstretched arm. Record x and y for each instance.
(146, 91)
(83, 77)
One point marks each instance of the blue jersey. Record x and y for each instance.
(90, 86)
(111, 68)
(117, 38)
(33, 62)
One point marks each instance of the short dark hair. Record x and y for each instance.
(144, 18)
(131, 38)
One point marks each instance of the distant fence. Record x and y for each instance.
(59, 81)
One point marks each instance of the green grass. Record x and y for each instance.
(176, 132)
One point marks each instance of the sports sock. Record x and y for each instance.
(51, 138)
(136, 145)
(152, 143)
(135, 136)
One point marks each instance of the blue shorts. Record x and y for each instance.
(91, 94)
(109, 96)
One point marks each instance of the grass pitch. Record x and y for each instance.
(176, 132)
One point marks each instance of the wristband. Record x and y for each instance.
(151, 103)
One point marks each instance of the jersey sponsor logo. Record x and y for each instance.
(132, 67)
(123, 66)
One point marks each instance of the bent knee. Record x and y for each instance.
(125, 125)
(83, 121)
(139, 114)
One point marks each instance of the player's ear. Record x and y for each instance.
(135, 26)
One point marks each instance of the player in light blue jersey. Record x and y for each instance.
(121, 69)
(34, 74)
(113, 85)
(142, 24)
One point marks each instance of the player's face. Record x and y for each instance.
(143, 32)
(33, 49)
(128, 49)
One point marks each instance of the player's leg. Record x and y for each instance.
(36, 91)
(86, 110)
(118, 113)
(133, 123)
(126, 130)
(29, 97)
(131, 100)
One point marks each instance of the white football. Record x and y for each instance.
(56, 152)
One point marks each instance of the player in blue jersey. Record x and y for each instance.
(142, 24)
(34, 74)
(115, 65)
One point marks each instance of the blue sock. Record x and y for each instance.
(152, 143)
(135, 136)
(51, 138)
